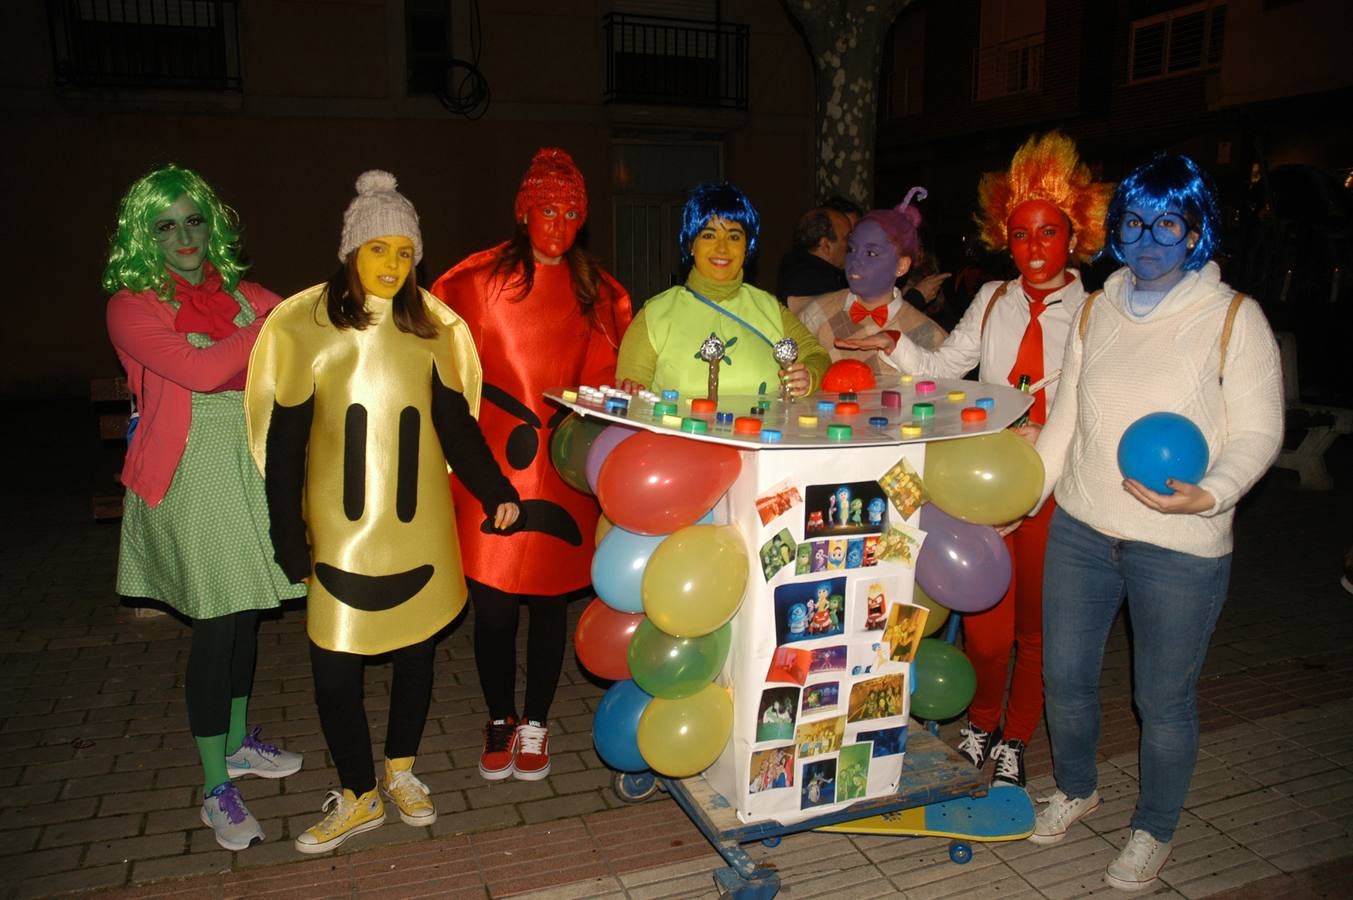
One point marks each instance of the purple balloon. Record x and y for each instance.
(611, 437)
(963, 566)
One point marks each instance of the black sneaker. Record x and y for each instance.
(977, 744)
(1009, 758)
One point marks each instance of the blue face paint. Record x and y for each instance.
(1155, 267)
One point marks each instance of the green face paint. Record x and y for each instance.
(182, 233)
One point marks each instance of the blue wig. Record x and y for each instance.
(1169, 179)
(707, 201)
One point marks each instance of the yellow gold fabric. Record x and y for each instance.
(299, 354)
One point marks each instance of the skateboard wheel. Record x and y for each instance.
(634, 787)
(960, 853)
(771, 842)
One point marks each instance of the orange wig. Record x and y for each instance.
(1047, 168)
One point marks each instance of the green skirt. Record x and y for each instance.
(205, 549)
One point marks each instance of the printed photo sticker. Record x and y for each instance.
(821, 697)
(803, 559)
(771, 769)
(828, 659)
(789, 666)
(903, 634)
(844, 510)
(870, 554)
(779, 500)
(876, 698)
(903, 486)
(776, 714)
(900, 543)
(819, 784)
(817, 738)
(872, 597)
(818, 561)
(887, 741)
(866, 658)
(810, 609)
(836, 555)
(777, 553)
(852, 771)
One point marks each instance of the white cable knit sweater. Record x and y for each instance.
(1167, 361)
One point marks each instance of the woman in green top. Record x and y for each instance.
(661, 349)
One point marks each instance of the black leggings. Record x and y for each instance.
(495, 648)
(220, 667)
(342, 712)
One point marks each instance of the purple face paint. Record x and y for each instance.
(871, 261)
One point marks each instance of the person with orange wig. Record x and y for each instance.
(1046, 210)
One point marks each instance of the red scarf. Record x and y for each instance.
(205, 308)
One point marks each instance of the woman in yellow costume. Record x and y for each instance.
(361, 391)
(662, 348)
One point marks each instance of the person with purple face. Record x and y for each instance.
(879, 251)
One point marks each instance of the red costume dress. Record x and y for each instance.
(528, 346)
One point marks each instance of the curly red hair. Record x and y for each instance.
(1046, 167)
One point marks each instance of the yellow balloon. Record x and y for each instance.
(990, 479)
(603, 526)
(694, 581)
(680, 738)
(938, 614)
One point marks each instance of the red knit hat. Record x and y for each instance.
(552, 177)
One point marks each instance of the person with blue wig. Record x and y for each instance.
(1165, 333)
(661, 349)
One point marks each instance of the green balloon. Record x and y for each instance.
(945, 681)
(673, 667)
(568, 449)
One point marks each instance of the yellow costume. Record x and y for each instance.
(386, 569)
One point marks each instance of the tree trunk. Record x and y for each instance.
(846, 38)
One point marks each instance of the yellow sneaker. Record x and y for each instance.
(408, 793)
(347, 815)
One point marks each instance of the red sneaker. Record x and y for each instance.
(497, 760)
(533, 751)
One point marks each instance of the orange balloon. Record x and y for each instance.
(602, 640)
(658, 483)
(848, 375)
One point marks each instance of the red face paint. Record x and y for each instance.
(1040, 242)
(552, 228)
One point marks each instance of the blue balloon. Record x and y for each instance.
(615, 727)
(618, 568)
(1162, 445)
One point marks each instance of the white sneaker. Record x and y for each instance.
(1053, 820)
(1140, 862)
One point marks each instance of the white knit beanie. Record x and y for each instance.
(378, 210)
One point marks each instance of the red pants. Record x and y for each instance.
(1016, 622)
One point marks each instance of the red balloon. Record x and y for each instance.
(602, 640)
(657, 483)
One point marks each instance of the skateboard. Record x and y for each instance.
(1005, 814)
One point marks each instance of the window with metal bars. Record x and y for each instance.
(173, 44)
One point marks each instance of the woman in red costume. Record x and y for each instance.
(543, 313)
(1047, 211)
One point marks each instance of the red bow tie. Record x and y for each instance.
(879, 313)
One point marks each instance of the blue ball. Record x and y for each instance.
(1162, 445)
(615, 727)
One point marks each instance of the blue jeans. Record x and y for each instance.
(1173, 602)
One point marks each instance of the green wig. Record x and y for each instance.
(135, 260)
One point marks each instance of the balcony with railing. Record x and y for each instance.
(165, 44)
(676, 62)
(1010, 67)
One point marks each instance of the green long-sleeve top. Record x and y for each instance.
(660, 347)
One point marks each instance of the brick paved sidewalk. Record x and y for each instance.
(99, 781)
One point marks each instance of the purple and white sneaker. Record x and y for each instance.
(224, 811)
(256, 757)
